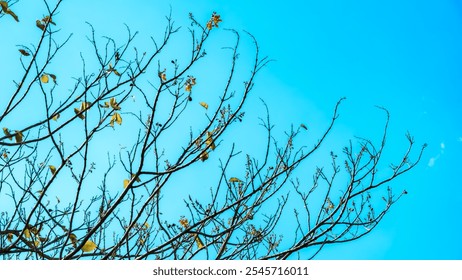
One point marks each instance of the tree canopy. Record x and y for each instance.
(98, 165)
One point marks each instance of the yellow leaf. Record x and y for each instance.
(213, 22)
(48, 19)
(216, 19)
(89, 246)
(204, 156)
(73, 239)
(79, 114)
(199, 243)
(188, 87)
(116, 118)
(209, 141)
(24, 52)
(162, 75)
(40, 25)
(106, 105)
(55, 117)
(34, 230)
(205, 105)
(184, 222)
(37, 243)
(18, 136)
(113, 103)
(6, 10)
(84, 106)
(9, 237)
(136, 178)
(198, 142)
(234, 180)
(126, 182)
(27, 233)
(146, 225)
(52, 169)
(7, 133)
(44, 78)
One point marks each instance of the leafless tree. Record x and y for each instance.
(89, 173)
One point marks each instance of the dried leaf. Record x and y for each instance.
(113, 103)
(73, 239)
(7, 133)
(55, 117)
(205, 105)
(304, 127)
(84, 106)
(24, 52)
(37, 243)
(40, 25)
(53, 77)
(48, 19)
(44, 78)
(9, 237)
(126, 182)
(234, 180)
(52, 169)
(89, 246)
(136, 178)
(209, 141)
(27, 233)
(184, 222)
(214, 20)
(106, 105)
(162, 75)
(204, 156)
(198, 142)
(6, 10)
(209, 25)
(199, 242)
(116, 118)
(35, 231)
(18, 136)
(79, 114)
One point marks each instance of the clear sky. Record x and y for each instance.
(402, 55)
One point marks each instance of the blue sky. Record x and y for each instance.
(402, 55)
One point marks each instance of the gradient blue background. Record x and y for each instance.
(403, 55)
